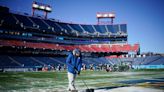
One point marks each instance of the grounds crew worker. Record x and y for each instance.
(74, 64)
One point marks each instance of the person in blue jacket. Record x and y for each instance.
(74, 64)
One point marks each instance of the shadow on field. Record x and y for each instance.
(155, 83)
(110, 87)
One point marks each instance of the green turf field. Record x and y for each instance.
(57, 81)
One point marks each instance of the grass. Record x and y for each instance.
(23, 81)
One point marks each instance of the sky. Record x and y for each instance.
(144, 18)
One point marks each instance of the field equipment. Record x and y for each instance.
(88, 89)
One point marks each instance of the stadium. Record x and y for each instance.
(33, 52)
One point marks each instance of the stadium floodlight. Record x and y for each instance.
(111, 15)
(101, 15)
(49, 9)
(105, 15)
(42, 7)
(34, 5)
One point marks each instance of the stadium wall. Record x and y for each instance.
(148, 66)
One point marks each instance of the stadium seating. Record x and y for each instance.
(5, 61)
(123, 28)
(113, 28)
(127, 47)
(100, 28)
(65, 27)
(9, 19)
(29, 61)
(76, 27)
(24, 20)
(55, 28)
(106, 48)
(96, 48)
(26, 61)
(45, 25)
(158, 61)
(36, 33)
(148, 60)
(83, 48)
(41, 25)
(88, 28)
(135, 47)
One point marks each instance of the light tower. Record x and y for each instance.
(104, 15)
(41, 7)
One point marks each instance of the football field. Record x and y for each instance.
(101, 81)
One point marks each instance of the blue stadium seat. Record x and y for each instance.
(123, 28)
(150, 59)
(23, 19)
(51, 60)
(53, 25)
(5, 61)
(113, 28)
(76, 27)
(159, 61)
(65, 27)
(9, 19)
(100, 28)
(26, 61)
(41, 24)
(88, 28)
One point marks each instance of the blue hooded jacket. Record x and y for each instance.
(74, 62)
